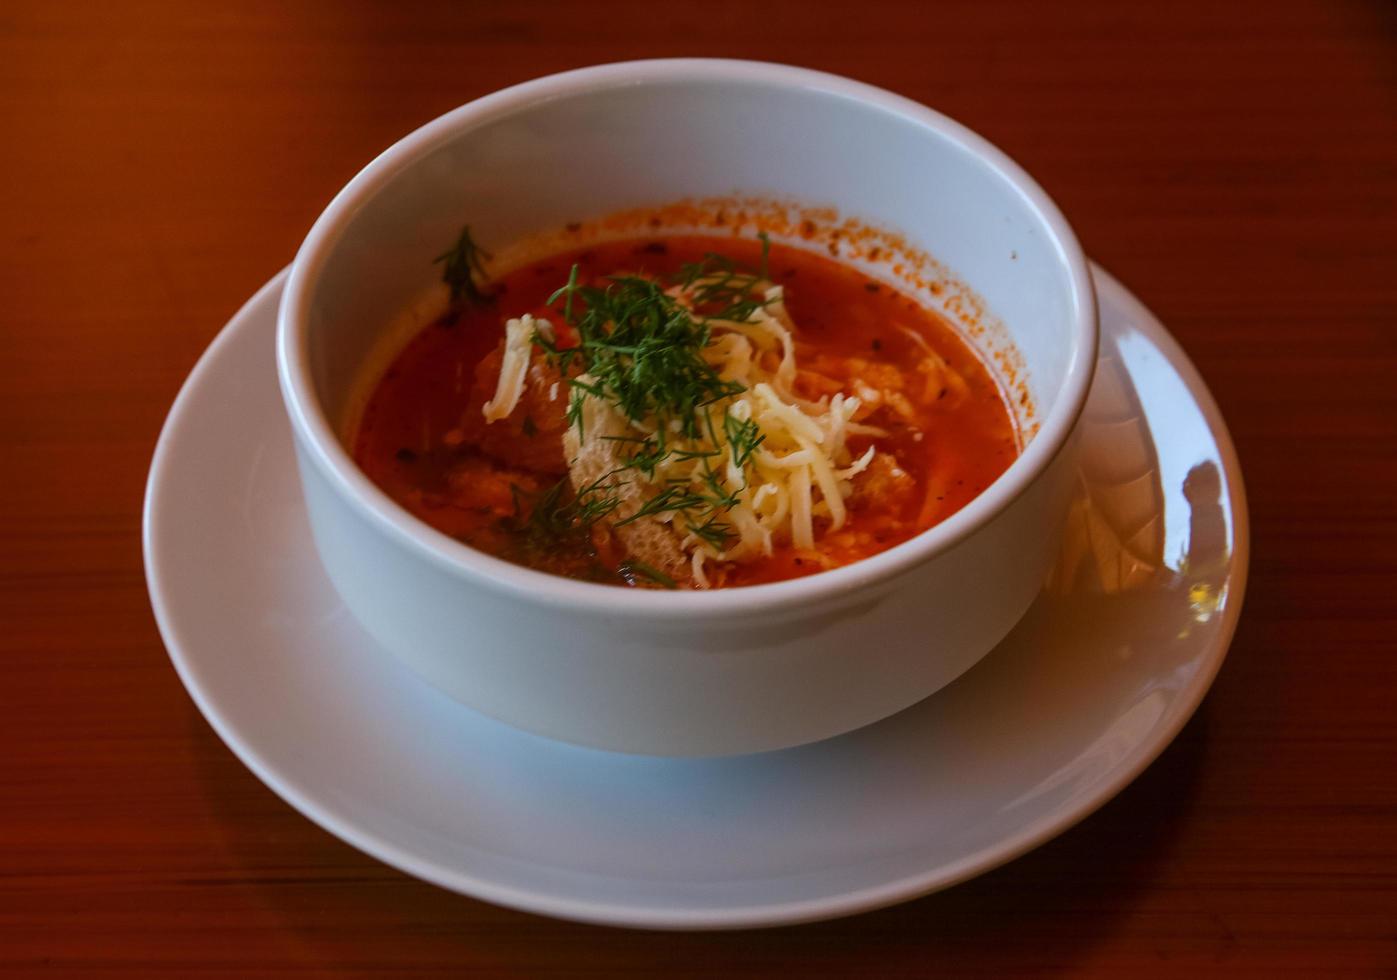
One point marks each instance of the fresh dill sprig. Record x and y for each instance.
(631, 569)
(649, 454)
(744, 436)
(721, 290)
(671, 498)
(544, 516)
(556, 513)
(463, 262)
(712, 531)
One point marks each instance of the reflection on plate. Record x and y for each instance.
(1084, 693)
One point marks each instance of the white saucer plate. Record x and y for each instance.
(1091, 686)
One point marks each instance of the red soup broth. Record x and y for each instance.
(422, 437)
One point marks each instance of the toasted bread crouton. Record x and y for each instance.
(592, 456)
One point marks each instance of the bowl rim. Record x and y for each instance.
(315, 435)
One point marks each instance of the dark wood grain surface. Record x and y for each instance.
(1233, 163)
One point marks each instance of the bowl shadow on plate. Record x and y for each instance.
(1058, 902)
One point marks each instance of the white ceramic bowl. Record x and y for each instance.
(686, 673)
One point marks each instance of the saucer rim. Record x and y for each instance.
(760, 915)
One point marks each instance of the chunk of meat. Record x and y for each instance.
(886, 483)
(487, 488)
(886, 393)
(472, 498)
(531, 436)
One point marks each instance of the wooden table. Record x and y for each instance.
(1234, 163)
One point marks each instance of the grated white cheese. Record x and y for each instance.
(518, 339)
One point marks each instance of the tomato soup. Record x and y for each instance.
(688, 412)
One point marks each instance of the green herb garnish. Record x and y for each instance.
(464, 261)
(555, 514)
(630, 568)
(744, 436)
(721, 290)
(640, 349)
